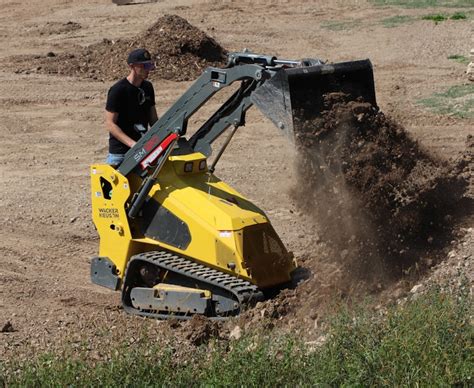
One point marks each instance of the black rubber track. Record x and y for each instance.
(241, 291)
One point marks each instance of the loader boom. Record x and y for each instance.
(176, 118)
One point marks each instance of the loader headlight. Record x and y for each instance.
(188, 167)
(202, 165)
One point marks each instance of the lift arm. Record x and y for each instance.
(139, 157)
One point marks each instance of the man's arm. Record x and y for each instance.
(111, 125)
(153, 115)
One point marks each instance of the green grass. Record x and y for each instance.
(425, 3)
(436, 18)
(426, 342)
(343, 25)
(395, 21)
(459, 58)
(458, 16)
(457, 101)
(442, 17)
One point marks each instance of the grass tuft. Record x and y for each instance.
(457, 101)
(436, 18)
(459, 58)
(343, 25)
(442, 17)
(458, 16)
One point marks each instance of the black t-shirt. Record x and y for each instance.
(133, 107)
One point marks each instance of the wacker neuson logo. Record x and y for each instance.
(108, 212)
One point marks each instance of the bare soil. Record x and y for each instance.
(181, 52)
(51, 121)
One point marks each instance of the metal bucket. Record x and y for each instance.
(298, 92)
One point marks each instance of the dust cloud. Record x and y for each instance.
(378, 198)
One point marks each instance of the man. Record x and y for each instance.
(130, 106)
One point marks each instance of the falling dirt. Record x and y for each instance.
(181, 52)
(374, 191)
(464, 165)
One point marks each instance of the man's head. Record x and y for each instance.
(140, 62)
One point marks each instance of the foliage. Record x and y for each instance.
(395, 21)
(425, 3)
(426, 342)
(458, 100)
(436, 17)
(442, 17)
(342, 25)
(458, 16)
(459, 58)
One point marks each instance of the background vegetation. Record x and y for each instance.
(425, 3)
(426, 341)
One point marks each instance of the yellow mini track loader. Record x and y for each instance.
(176, 239)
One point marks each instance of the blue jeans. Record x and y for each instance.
(115, 159)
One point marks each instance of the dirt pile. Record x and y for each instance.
(375, 193)
(181, 52)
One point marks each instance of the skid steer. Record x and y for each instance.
(176, 239)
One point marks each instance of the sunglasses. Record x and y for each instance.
(147, 65)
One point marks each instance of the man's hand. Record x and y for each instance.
(111, 125)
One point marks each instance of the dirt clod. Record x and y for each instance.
(199, 330)
(7, 328)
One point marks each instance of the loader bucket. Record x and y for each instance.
(298, 92)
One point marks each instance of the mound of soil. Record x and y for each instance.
(181, 52)
(374, 192)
